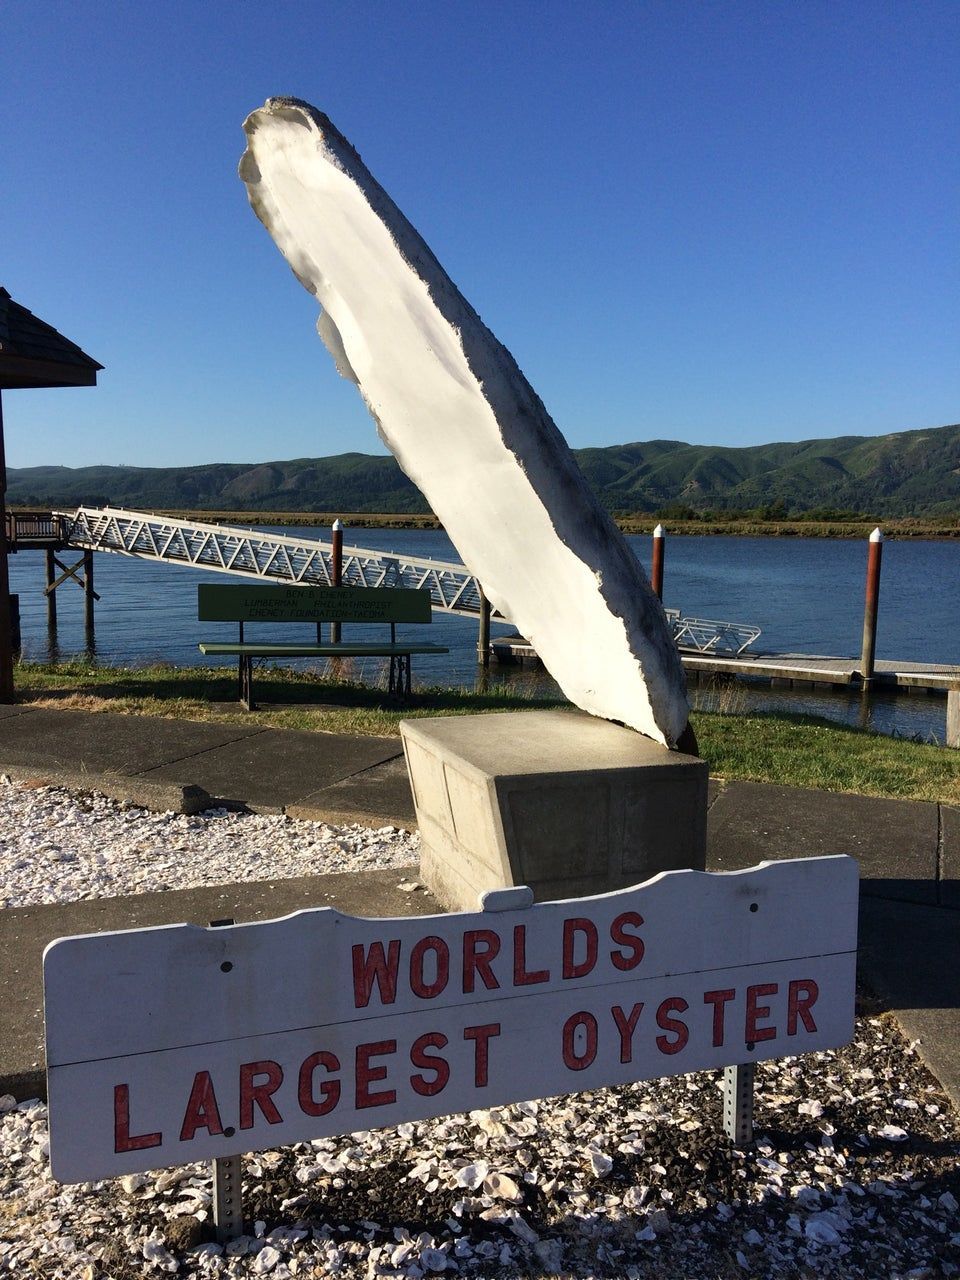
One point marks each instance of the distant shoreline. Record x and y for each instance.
(636, 524)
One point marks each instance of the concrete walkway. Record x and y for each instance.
(909, 855)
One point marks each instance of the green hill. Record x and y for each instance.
(910, 473)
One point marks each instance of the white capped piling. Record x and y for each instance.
(336, 573)
(870, 607)
(656, 565)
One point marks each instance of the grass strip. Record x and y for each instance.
(798, 751)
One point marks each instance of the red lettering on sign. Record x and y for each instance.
(678, 1029)
(521, 978)
(366, 1074)
(478, 962)
(329, 1089)
(719, 1001)
(123, 1140)
(418, 985)
(259, 1094)
(752, 1033)
(626, 1025)
(202, 1111)
(798, 1004)
(631, 942)
(439, 1066)
(578, 925)
(375, 967)
(579, 1040)
(481, 1051)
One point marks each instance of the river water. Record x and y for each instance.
(805, 593)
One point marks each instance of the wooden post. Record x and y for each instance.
(336, 574)
(656, 566)
(89, 595)
(51, 591)
(15, 634)
(6, 646)
(953, 718)
(483, 632)
(870, 607)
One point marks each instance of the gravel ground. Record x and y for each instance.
(57, 846)
(854, 1172)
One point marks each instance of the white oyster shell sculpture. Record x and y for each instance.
(464, 424)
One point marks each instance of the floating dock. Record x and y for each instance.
(788, 669)
(783, 669)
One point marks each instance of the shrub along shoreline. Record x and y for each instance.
(798, 751)
(746, 526)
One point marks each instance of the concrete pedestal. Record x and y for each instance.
(558, 800)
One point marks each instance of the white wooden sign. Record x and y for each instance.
(182, 1043)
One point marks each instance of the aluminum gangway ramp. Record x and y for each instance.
(269, 557)
(275, 557)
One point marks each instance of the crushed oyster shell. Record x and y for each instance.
(59, 846)
(854, 1173)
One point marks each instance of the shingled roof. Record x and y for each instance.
(34, 354)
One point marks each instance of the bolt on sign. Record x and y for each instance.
(182, 1043)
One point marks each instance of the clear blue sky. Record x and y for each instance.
(725, 223)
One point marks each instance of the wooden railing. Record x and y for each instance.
(33, 527)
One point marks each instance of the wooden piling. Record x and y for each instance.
(953, 718)
(6, 645)
(50, 589)
(870, 608)
(89, 595)
(656, 565)
(483, 632)
(336, 573)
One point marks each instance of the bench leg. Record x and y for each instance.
(246, 681)
(400, 675)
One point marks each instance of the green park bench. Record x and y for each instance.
(260, 603)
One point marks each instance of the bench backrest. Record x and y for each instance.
(262, 602)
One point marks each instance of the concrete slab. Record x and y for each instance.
(25, 931)
(376, 797)
(276, 768)
(161, 797)
(561, 801)
(107, 743)
(910, 956)
(895, 841)
(949, 856)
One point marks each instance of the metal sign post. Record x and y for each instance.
(228, 1197)
(738, 1103)
(227, 1176)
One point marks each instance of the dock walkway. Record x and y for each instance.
(779, 668)
(807, 668)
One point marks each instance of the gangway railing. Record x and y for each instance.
(271, 557)
(710, 635)
(277, 557)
